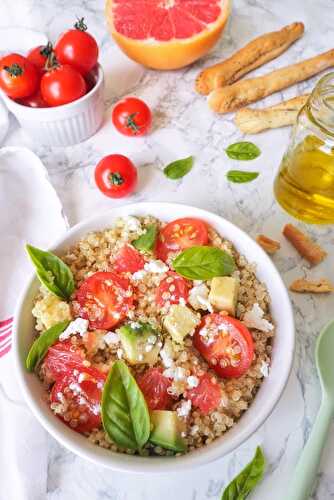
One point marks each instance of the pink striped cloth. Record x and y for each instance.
(5, 336)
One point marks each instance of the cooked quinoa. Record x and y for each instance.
(180, 361)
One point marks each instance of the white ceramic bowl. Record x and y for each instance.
(63, 125)
(266, 398)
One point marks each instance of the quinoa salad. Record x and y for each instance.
(152, 338)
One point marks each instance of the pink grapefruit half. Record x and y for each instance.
(166, 34)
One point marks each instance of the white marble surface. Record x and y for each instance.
(183, 125)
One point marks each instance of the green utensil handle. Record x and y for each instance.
(308, 465)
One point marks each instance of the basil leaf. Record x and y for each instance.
(125, 416)
(241, 486)
(179, 168)
(240, 176)
(52, 272)
(146, 241)
(203, 263)
(42, 344)
(243, 151)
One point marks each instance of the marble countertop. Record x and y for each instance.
(183, 125)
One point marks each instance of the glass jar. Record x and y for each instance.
(304, 185)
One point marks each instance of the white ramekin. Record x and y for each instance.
(63, 125)
(265, 400)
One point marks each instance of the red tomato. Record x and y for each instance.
(18, 76)
(207, 395)
(116, 176)
(82, 392)
(128, 260)
(77, 48)
(177, 287)
(62, 358)
(104, 299)
(154, 385)
(132, 116)
(61, 85)
(181, 234)
(226, 344)
(39, 55)
(33, 101)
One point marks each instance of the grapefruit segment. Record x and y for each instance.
(166, 34)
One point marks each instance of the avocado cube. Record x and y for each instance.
(140, 342)
(224, 294)
(180, 322)
(167, 429)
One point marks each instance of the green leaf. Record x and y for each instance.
(242, 485)
(52, 272)
(179, 168)
(146, 241)
(42, 344)
(240, 176)
(203, 263)
(125, 415)
(243, 151)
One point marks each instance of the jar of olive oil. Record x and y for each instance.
(304, 185)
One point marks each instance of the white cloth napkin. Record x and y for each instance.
(30, 212)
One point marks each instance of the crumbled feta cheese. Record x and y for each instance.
(156, 266)
(132, 223)
(135, 325)
(82, 376)
(178, 373)
(198, 298)
(75, 388)
(111, 338)
(264, 369)
(192, 381)
(254, 319)
(139, 275)
(184, 409)
(78, 326)
(119, 353)
(182, 302)
(166, 355)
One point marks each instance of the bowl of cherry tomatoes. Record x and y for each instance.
(56, 93)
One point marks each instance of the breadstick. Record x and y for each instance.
(253, 121)
(242, 93)
(307, 286)
(306, 247)
(254, 54)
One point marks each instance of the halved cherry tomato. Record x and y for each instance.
(62, 85)
(33, 101)
(104, 299)
(176, 286)
(77, 48)
(226, 344)
(18, 76)
(62, 358)
(181, 234)
(80, 393)
(131, 116)
(128, 260)
(39, 55)
(116, 176)
(154, 385)
(207, 395)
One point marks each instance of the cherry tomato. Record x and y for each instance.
(131, 116)
(226, 344)
(63, 357)
(77, 48)
(33, 101)
(128, 260)
(104, 299)
(39, 55)
(154, 385)
(207, 395)
(81, 392)
(181, 234)
(18, 76)
(176, 286)
(116, 176)
(61, 85)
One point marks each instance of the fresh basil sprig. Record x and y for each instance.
(241, 176)
(179, 168)
(243, 151)
(242, 485)
(146, 241)
(203, 263)
(52, 272)
(125, 415)
(42, 344)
